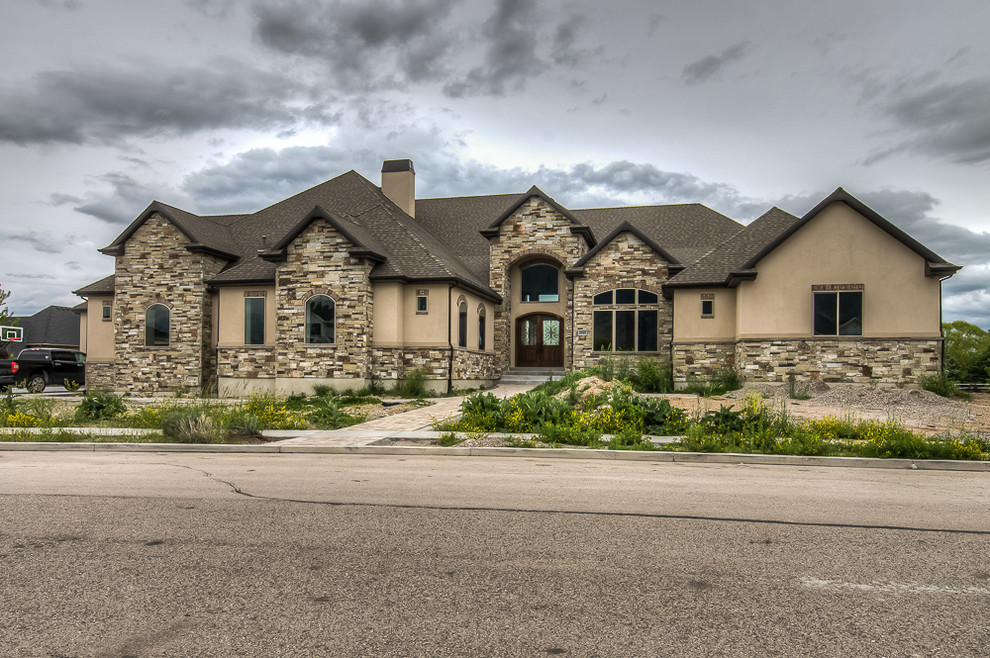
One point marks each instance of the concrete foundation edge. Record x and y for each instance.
(531, 453)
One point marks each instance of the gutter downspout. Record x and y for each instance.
(450, 340)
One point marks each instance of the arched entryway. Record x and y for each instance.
(540, 341)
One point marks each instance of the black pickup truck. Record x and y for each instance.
(39, 367)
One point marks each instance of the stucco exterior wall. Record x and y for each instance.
(839, 246)
(691, 326)
(97, 339)
(626, 262)
(397, 322)
(156, 268)
(533, 231)
(230, 313)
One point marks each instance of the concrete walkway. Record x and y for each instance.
(414, 424)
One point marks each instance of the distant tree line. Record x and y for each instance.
(967, 352)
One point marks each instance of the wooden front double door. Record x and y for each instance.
(540, 341)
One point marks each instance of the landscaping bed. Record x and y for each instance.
(584, 410)
(179, 419)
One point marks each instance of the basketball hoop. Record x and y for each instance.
(11, 334)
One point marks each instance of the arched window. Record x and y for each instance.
(539, 283)
(156, 326)
(481, 328)
(319, 319)
(625, 320)
(462, 324)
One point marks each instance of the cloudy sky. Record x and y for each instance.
(220, 106)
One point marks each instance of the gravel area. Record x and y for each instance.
(915, 408)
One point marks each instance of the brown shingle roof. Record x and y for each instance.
(716, 266)
(102, 287)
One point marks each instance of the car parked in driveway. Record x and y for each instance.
(39, 367)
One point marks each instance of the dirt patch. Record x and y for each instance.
(919, 410)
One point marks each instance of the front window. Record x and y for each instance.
(319, 319)
(156, 326)
(462, 325)
(254, 321)
(106, 311)
(539, 283)
(631, 326)
(839, 313)
(481, 330)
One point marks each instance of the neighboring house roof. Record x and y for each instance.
(52, 326)
(102, 287)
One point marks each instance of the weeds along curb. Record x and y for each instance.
(530, 453)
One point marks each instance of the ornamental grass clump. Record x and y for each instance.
(192, 426)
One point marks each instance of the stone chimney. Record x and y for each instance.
(399, 184)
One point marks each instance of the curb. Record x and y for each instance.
(531, 453)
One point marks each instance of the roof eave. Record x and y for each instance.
(940, 270)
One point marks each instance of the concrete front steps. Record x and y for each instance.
(531, 376)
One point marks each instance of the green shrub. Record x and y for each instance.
(571, 435)
(244, 423)
(322, 390)
(413, 385)
(940, 384)
(653, 376)
(99, 405)
(629, 439)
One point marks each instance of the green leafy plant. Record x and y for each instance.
(100, 405)
(448, 439)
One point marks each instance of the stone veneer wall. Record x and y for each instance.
(390, 364)
(860, 360)
(248, 361)
(317, 263)
(100, 376)
(156, 268)
(698, 360)
(535, 228)
(850, 360)
(626, 262)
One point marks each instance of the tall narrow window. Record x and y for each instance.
(107, 308)
(319, 319)
(156, 320)
(481, 329)
(254, 320)
(462, 325)
(539, 283)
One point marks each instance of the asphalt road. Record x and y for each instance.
(334, 555)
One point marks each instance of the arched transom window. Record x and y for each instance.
(539, 283)
(320, 319)
(156, 326)
(625, 320)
